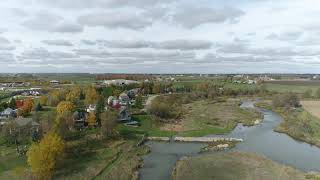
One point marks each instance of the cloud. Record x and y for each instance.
(46, 21)
(85, 4)
(184, 44)
(57, 42)
(179, 44)
(6, 57)
(88, 42)
(193, 16)
(4, 40)
(42, 55)
(114, 20)
(288, 36)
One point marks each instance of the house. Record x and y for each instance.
(119, 82)
(91, 108)
(124, 114)
(79, 119)
(124, 99)
(133, 92)
(25, 124)
(110, 100)
(116, 104)
(54, 82)
(7, 113)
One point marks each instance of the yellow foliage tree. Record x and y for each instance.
(43, 100)
(74, 94)
(92, 119)
(65, 106)
(92, 96)
(42, 156)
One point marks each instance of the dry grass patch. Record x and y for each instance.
(236, 165)
(312, 107)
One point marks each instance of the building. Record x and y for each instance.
(110, 100)
(119, 82)
(124, 114)
(91, 108)
(7, 113)
(25, 124)
(124, 99)
(79, 119)
(54, 82)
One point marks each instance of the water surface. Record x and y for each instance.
(260, 139)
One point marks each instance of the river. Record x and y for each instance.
(260, 139)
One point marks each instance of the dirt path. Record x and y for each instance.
(149, 101)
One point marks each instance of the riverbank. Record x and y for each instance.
(297, 123)
(235, 165)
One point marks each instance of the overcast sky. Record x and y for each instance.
(160, 36)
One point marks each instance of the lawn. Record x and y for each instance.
(149, 125)
(230, 166)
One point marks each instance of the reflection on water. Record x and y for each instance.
(260, 139)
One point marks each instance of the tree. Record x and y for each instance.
(138, 102)
(156, 89)
(99, 109)
(43, 100)
(65, 106)
(43, 156)
(92, 120)
(74, 95)
(38, 107)
(64, 123)
(108, 123)
(91, 96)
(307, 93)
(26, 108)
(318, 93)
(12, 103)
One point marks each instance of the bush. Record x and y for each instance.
(286, 100)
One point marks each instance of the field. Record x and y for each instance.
(292, 86)
(211, 117)
(230, 166)
(312, 107)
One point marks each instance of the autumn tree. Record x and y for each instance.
(43, 100)
(138, 102)
(74, 95)
(65, 106)
(43, 156)
(156, 89)
(108, 123)
(92, 120)
(26, 108)
(91, 96)
(64, 123)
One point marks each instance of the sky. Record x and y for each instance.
(160, 36)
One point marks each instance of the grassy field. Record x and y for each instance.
(209, 117)
(294, 86)
(236, 165)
